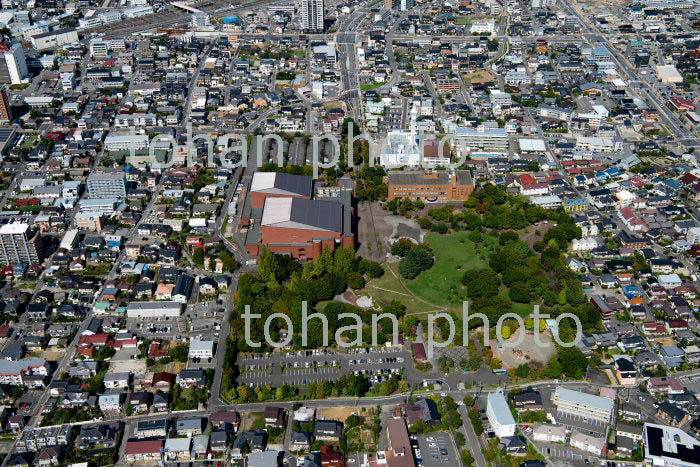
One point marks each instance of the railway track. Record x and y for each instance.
(172, 17)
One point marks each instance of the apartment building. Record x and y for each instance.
(583, 404)
(19, 244)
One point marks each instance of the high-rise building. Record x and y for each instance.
(19, 244)
(542, 3)
(312, 15)
(13, 64)
(107, 185)
(5, 113)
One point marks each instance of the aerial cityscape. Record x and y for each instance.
(349, 233)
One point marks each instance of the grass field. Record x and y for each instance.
(454, 254)
(390, 287)
(461, 20)
(437, 288)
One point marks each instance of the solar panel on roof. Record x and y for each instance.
(5, 134)
(321, 214)
(298, 184)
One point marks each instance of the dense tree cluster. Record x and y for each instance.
(491, 207)
(370, 184)
(283, 284)
(417, 259)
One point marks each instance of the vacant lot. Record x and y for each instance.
(479, 77)
(336, 413)
(53, 355)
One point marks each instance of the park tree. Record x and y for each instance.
(270, 269)
(401, 247)
(416, 261)
(356, 281)
(371, 268)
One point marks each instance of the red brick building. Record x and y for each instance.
(303, 227)
(438, 186)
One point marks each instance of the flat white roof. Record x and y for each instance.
(531, 145)
(277, 210)
(14, 228)
(198, 344)
(583, 398)
(263, 181)
(668, 72)
(499, 407)
(669, 278)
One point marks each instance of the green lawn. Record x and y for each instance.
(440, 286)
(370, 87)
(389, 287)
(454, 254)
(523, 309)
(462, 20)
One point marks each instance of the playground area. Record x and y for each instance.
(528, 351)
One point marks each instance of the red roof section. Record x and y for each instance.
(143, 447)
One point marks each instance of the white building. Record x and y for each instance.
(483, 27)
(588, 443)
(200, 20)
(582, 404)
(670, 281)
(598, 143)
(668, 74)
(549, 433)
(124, 142)
(693, 235)
(499, 415)
(14, 63)
(201, 349)
(468, 139)
(401, 149)
(312, 15)
(584, 244)
(53, 39)
(542, 3)
(99, 48)
(153, 309)
(13, 372)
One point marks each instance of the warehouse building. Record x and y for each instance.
(153, 309)
(53, 39)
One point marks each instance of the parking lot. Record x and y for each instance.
(436, 450)
(165, 327)
(26, 403)
(586, 426)
(308, 366)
